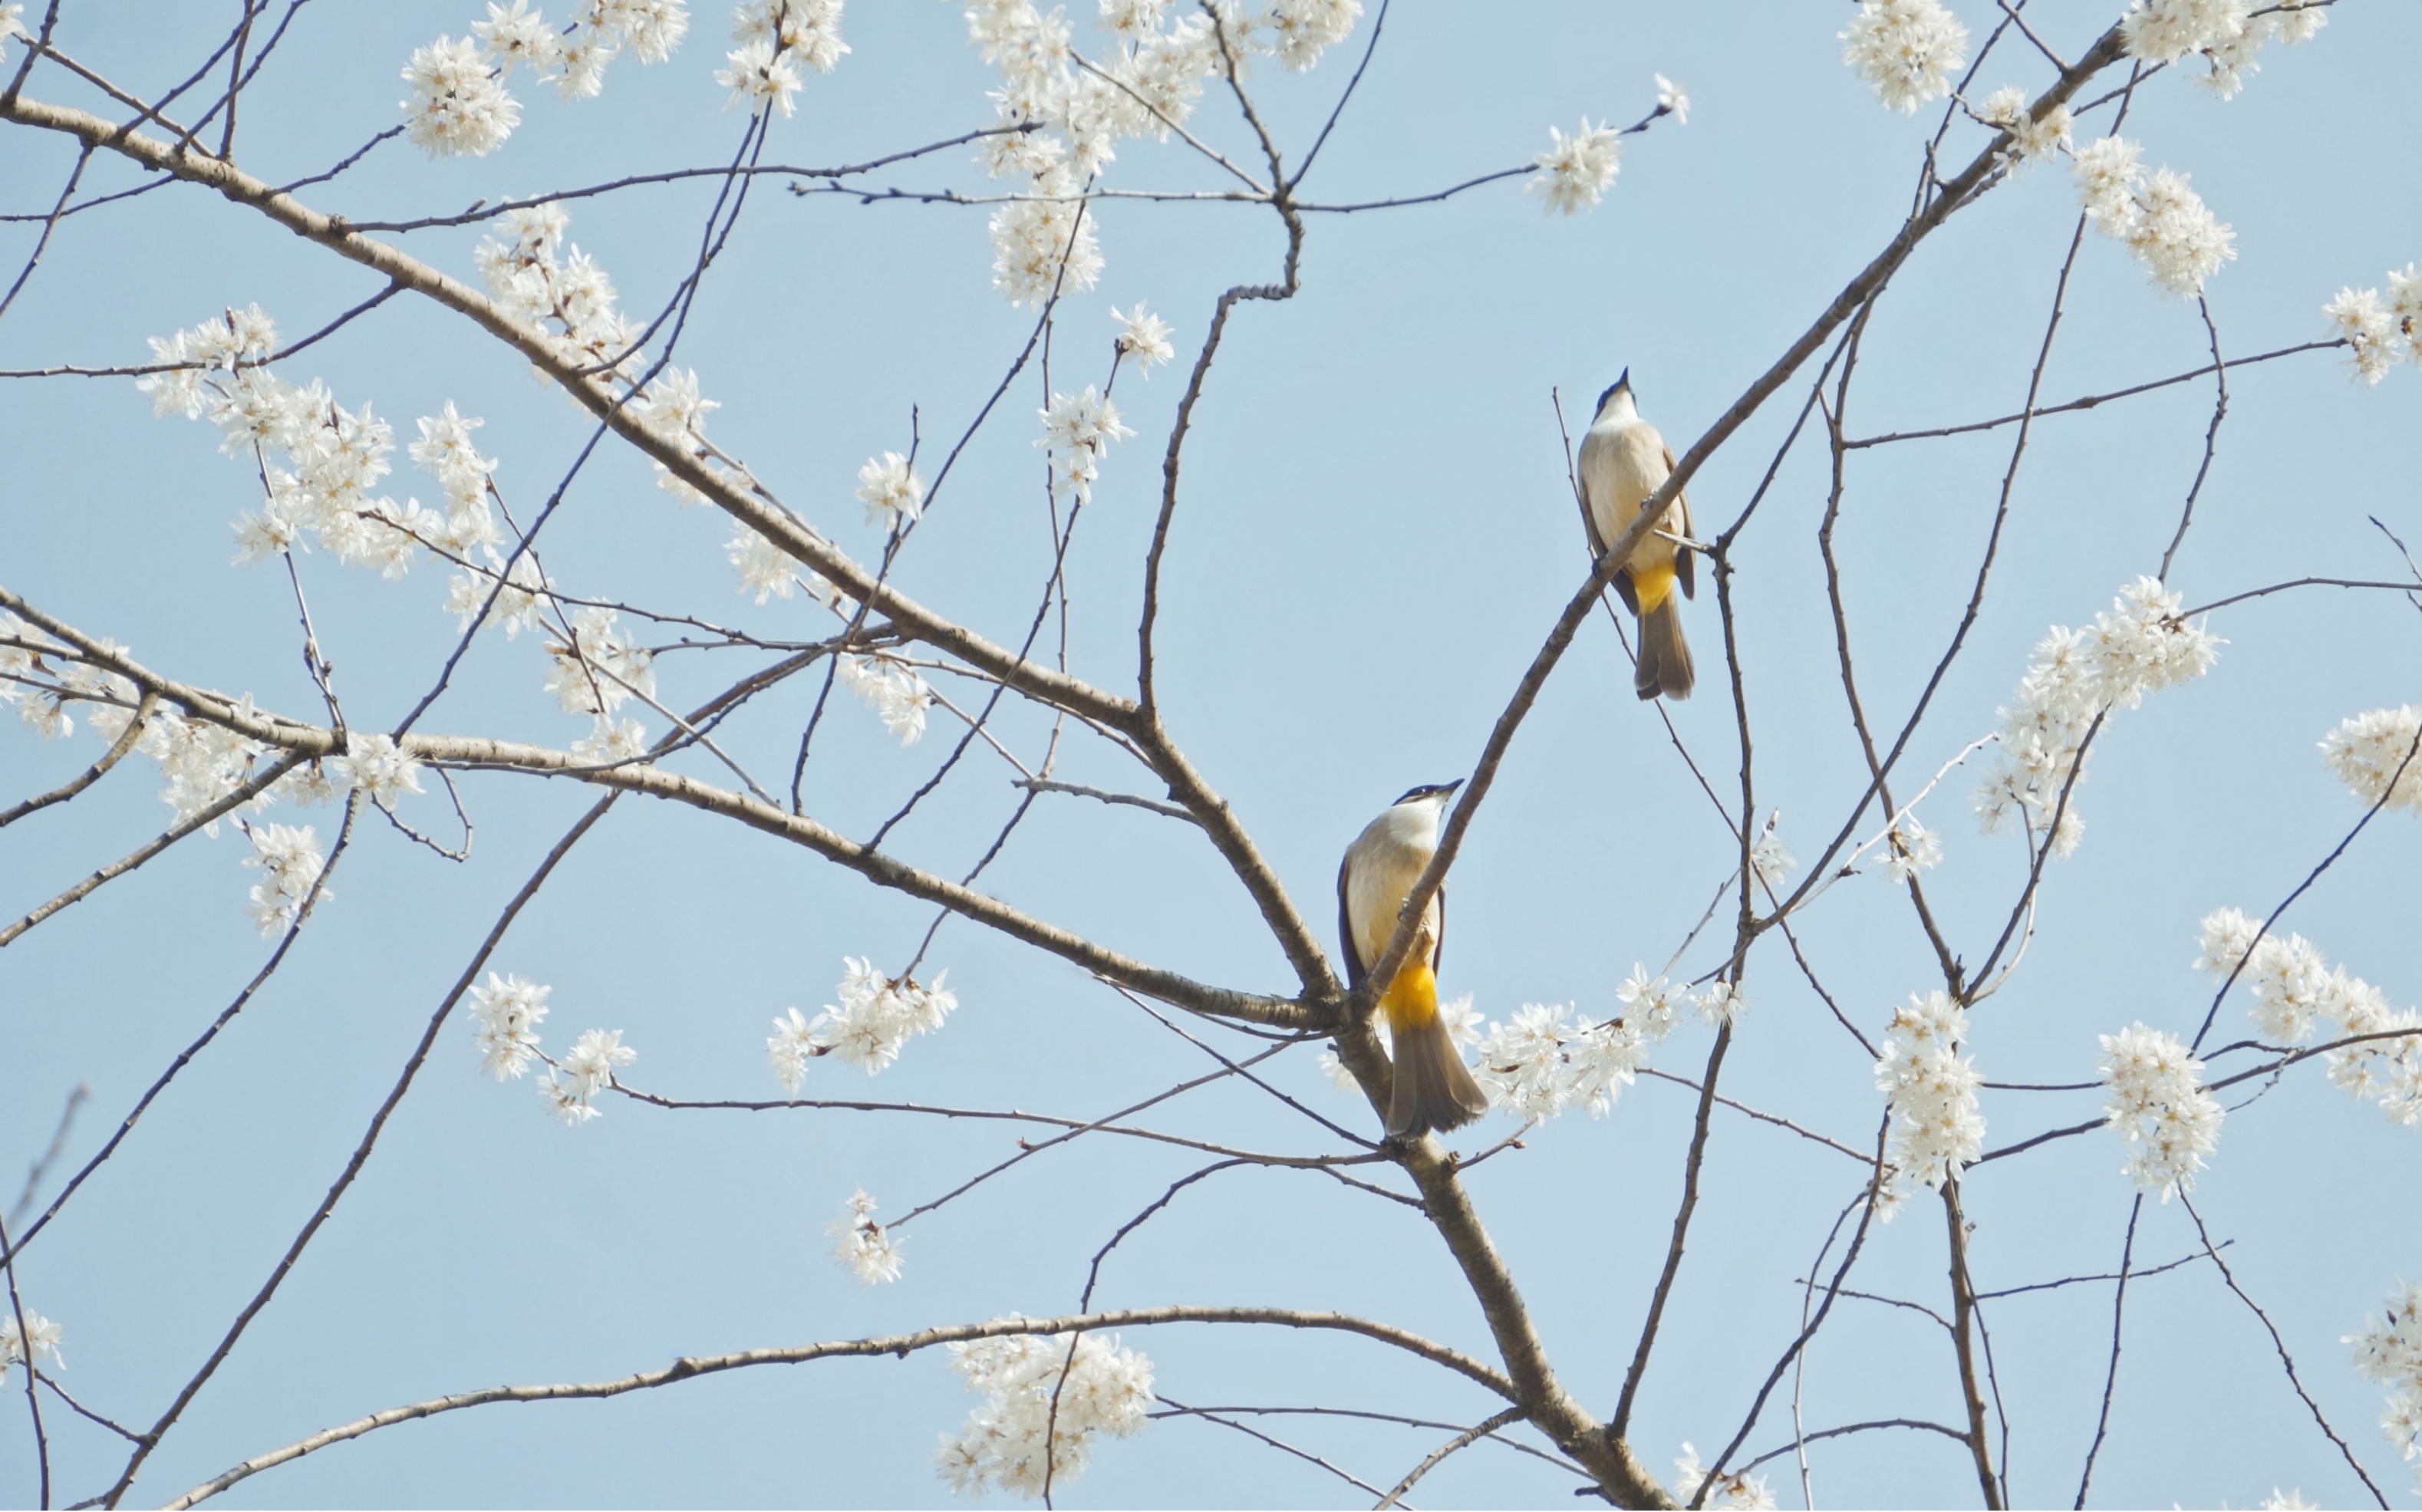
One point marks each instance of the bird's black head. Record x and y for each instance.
(1620, 385)
(1429, 790)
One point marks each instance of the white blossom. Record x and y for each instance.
(1044, 248)
(891, 490)
(1772, 859)
(2227, 34)
(1047, 1400)
(756, 73)
(1079, 428)
(2294, 989)
(1302, 29)
(591, 1063)
(1547, 1058)
(12, 24)
(1144, 336)
(563, 1099)
(2405, 304)
(875, 1016)
(23, 1344)
(1575, 172)
(1730, 1490)
(2370, 328)
(375, 765)
(2389, 1351)
(2164, 222)
(1671, 98)
(2138, 646)
(520, 601)
(2288, 1501)
(2369, 751)
(612, 743)
(2030, 139)
(457, 105)
(895, 692)
(2179, 241)
(1914, 849)
(1720, 1002)
(767, 570)
(869, 1251)
(1931, 1089)
(599, 666)
(290, 862)
(509, 38)
(1906, 50)
(2158, 1105)
(505, 1015)
(789, 1049)
(808, 30)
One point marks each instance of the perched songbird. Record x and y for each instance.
(1434, 1089)
(1624, 461)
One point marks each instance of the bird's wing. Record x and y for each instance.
(1580, 497)
(1355, 969)
(1684, 560)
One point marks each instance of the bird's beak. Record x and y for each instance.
(1451, 787)
(1624, 382)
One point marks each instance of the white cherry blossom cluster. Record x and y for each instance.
(2163, 221)
(894, 690)
(12, 24)
(38, 1335)
(1547, 1058)
(459, 105)
(2031, 139)
(892, 491)
(2294, 989)
(1047, 1400)
(2225, 32)
(774, 38)
(1914, 849)
(317, 459)
(2379, 332)
(1144, 336)
(599, 666)
(201, 761)
(877, 1014)
(289, 863)
(1062, 114)
(2389, 1351)
(870, 1251)
(558, 290)
(586, 1069)
(2371, 750)
(375, 765)
(1906, 50)
(1575, 172)
(2138, 646)
(504, 1014)
(768, 571)
(1745, 1491)
(1079, 428)
(1937, 1128)
(2159, 1105)
(109, 697)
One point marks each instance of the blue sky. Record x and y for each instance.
(1375, 535)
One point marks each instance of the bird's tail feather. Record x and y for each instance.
(1665, 656)
(1433, 1088)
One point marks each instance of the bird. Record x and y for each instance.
(1434, 1089)
(1624, 461)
